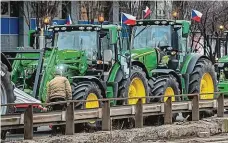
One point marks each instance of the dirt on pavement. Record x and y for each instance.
(164, 133)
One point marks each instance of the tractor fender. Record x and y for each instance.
(5, 61)
(101, 84)
(169, 72)
(140, 64)
(193, 61)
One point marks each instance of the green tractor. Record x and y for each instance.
(98, 64)
(88, 56)
(159, 50)
(223, 74)
(92, 57)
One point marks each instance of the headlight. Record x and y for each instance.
(62, 67)
(173, 53)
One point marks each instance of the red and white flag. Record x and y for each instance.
(128, 19)
(196, 15)
(147, 12)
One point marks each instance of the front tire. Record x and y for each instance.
(164, 85)
(87, 90)
(135, 86)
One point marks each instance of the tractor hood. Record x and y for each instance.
(69, 55)
(224, 59)
(139, 53)
(146, 56)
(53, 57)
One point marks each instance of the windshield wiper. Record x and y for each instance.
(142, 30)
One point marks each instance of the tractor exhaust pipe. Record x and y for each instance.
(42, 39)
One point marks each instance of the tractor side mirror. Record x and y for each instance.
(113, 36)
(110, 37)
(128, 57)
(185, 29)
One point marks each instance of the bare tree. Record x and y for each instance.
(134, 7)
(40, 10)
(92, 9)
(214, 14)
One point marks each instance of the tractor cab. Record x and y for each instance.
(166, 37)
(98, 44)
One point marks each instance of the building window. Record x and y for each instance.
(5, 8)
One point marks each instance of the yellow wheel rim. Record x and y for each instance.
(169, 92)
(206, 86)
(136, 89)
(92, 104)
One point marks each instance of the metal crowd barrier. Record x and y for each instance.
(28, 119)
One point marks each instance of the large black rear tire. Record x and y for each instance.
(203, 71)
(202, 67)
(86, 90)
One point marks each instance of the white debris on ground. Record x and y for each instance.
(210, 126)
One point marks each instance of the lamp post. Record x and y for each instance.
(221, 30)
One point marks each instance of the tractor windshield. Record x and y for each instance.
(152, 36)
(78, 40)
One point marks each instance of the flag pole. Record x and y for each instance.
(142, 14)
(121, 14)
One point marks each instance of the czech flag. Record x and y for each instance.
(196, 15)
(128, 19)
(69, 21)
(147, 11)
